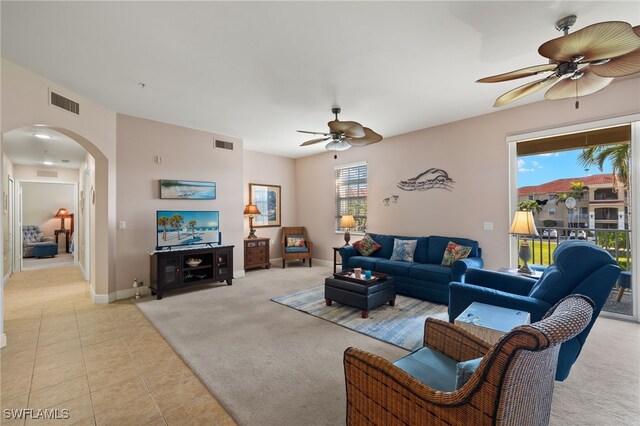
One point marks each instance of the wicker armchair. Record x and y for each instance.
(512, 385)
(295, 253)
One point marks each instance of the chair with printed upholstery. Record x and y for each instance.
(295, 245)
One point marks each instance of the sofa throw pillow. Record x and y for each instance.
(454, 252)
(295, 242)
(403, 250)
(464, 370)
(366, 246)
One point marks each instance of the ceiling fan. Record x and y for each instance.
(580, 63)
(343, 135)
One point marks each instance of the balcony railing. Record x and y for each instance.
(616, 241)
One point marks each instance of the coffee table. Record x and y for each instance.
(360, 293)
(490, 322)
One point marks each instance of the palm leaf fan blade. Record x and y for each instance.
(588, 84)
(313, 141)
(370, 137)
(524, 90)
(523, 72)
(598, 41)
(351, 129)
(622, 65)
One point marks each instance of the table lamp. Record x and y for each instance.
(523, 224)
(62, 214)
(347, 221)
(251, 211)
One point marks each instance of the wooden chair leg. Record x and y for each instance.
(303, 260)
(309, 262)
(620, 293)
(282, 263)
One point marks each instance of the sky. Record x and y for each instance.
(542, 168)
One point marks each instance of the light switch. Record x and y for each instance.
(488, 226)
(122, 224)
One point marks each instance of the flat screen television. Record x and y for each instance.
(184, 228)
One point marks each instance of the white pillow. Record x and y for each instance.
(403, 250)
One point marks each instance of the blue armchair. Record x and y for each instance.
(579, 267)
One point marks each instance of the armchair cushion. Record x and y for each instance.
(295, 241)
(296, 249)
(431, 367)
(464, 370)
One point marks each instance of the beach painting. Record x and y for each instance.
(187, 189)
(178, 228)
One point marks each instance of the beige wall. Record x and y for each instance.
(40, 203)
(273, 170)
(23, 172)
(25, 103)
(475, 155)
(186, 154)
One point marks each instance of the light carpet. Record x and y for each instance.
(401, 325)
(60, 260)
(272, 365)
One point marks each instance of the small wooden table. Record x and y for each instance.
(490, 322)
(336, 250)
(66, 233)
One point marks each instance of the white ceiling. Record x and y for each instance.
(262, 70)
(23, 147)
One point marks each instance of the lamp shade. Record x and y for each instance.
(251, 209)
(523, 224)
(62, 213)
(347, 221)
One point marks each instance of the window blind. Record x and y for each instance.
(351, 194)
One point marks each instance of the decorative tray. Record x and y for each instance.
(349, 275)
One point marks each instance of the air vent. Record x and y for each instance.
(64, 103)
(224, 145)
(47, 173)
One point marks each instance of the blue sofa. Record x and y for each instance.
(579, 267)
(425, 278)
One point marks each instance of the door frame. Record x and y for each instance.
(634, 121)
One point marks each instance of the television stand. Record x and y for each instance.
(170, 270)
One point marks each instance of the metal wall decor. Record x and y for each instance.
(393, 200)
(430, 179)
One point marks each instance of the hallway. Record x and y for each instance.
(105, 364)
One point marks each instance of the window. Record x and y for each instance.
(351, 194)
(552, 197)
(552, 211)
(530, 197)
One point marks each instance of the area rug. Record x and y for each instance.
(401, 325)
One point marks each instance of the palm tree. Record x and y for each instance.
(176, 221)
(163, 221)
(577, 188)
(192, 225)
(530, 205)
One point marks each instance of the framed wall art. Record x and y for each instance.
(267, 199)
(187, 190)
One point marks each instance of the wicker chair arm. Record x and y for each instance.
(309, 244)
(453, 341)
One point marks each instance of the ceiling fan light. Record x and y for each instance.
(337, 146)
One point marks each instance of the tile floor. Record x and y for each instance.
(105, 364)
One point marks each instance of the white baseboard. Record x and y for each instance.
(238, 274)
(3, 340)
(5, 279)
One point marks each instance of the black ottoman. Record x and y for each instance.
(361, 296)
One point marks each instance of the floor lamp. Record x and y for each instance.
(523, 224)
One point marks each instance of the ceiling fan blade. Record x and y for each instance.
(313, 133)
(525, 90)
(586, 85)
(370, 137)
(598, 41)
(524, 72)
(312, 141)
(349, 128)
(622, 65)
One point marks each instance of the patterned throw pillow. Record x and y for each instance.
(366, 246)
(295, 242)
(403, 250)
(454, 252)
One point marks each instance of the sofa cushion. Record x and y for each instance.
(386, 241)
(366, 246)
(430, 367)
(453, 252)
(437, 246)
(403, 250)
(394, 267)
(364, 262)
(429, 272)
(420, 255)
